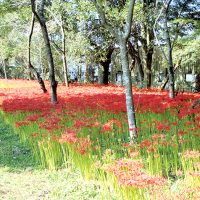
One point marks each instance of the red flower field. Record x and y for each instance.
(89, 126)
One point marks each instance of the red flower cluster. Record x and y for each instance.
(130, 173)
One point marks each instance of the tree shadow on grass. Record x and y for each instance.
(13, 154)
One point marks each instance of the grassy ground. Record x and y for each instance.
(22, 179)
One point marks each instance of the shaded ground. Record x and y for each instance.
(22, 179)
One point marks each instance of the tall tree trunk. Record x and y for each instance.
(37, 75)
(149, 58)
(149, 39)
(197, 83)
(128, 89)
(165, 81)
(40, 17)
(64, 55)
(4, 69)
(122, 34)
(169, 57)
(87, 74)
(105, 64)
(136, 55)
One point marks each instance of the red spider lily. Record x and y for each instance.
(151, 149)
(159, 136)
(180, 133)
(33, 117)
(163, 127)
(107, 127)
(183, 141)
(196, 174)
(79, 123)
(83, 145)
(94, 124)
(188, 123)
(146, 143)
(188, 154)
(34, 134)
(175, 123)
(129, 173)
(69, 136)
(18, 124)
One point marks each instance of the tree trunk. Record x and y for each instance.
(149, 57)
(41, 19)
(105, 73)
(105, 64)
(164, 83)
(37, 75)
(4, 69)
(169, 58)
(122, 34)
(128, 89)
(197, 83)
(64, 55)
(136, 56)
(148, 40)
(87, 74)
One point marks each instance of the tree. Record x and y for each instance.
(147, 40)
(177, 20)
(169, 50)
(37, 75)
(121, 32)
(61, 16)
(40, 17)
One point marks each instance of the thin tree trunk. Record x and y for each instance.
(197, 83)
(162, 87)
(37, 75)
(4, 69)
(128, 89)
(148, 41)
(149, 57)
(87, 75)
(41, 19)
(64, 55)
(136, 55)
(169, 57)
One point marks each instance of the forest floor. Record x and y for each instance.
(22, 179)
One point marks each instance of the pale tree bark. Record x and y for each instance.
(168, 56)
(64, 54)
(122, 35)
(4, 69)
(60, 22)
(37, 75)
(148, 39)
(41, 19)
(169, 53)
(87, 74)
